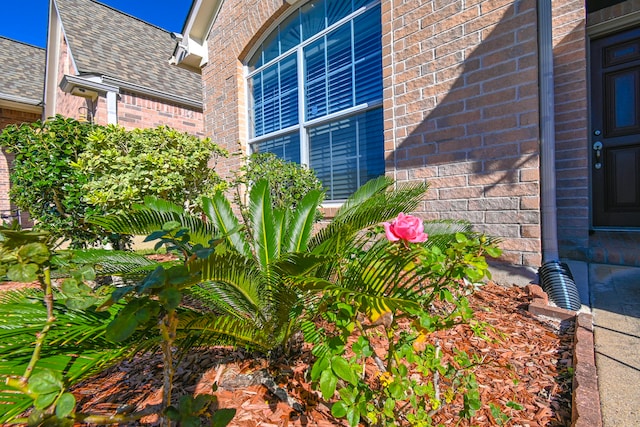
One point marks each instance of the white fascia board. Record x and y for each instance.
(191, 50)
(71, 84)
(19, 103)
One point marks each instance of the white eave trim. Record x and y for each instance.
(20, 103)
(90, 87)
(86, 88)
(191, 50)
(188, 102)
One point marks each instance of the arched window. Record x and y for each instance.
(315, 89)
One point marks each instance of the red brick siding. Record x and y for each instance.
(461, 112)
(222, 78)
(68, 105)
(7, 117)
(571, 117)
(138, 111)
(461, 108)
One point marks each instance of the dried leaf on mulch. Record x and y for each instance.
(526, 364)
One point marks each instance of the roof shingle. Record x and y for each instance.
(105, 41)
(21, 71)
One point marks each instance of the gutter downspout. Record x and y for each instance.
(554, 276)
(547, 134)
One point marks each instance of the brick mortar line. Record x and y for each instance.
(585, 399)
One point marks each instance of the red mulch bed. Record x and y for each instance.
(527, 364)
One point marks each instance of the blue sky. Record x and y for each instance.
(26, 20)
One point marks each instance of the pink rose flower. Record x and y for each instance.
(406, 227)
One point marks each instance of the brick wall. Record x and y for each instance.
(461, 109)
(222, 78)
(461, 112)
(138, 111)
(7, 117)
(571, 116)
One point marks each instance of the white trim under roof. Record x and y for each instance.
(191, 51)
(19, 103)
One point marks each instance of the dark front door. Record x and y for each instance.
(615, 138)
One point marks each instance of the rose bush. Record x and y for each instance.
(405, 227)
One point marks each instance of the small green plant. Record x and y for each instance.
(71, 343)
(428, 293)
(288, 182)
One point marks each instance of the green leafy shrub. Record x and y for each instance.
(288, 182)
(65, 171)
(48, 347)
(44, 181)
(125, 166)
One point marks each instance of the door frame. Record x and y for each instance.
(598, 31)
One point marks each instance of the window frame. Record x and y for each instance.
(303, 125)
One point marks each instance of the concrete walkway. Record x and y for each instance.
(615, 302)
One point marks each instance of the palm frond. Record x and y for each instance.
(144, 222)
(75, 346)
(263, 227)
(371, 208)
(231, 281)
(198, 329)
(300, 222)
(218, 210)
(108, 262)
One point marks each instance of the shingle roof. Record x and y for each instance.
(108, 42)
(21, 71)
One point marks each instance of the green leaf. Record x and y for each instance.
(170, 298)
(121, 328)
(261, 212)
(343, 369)
(514, 405)
(43, 401)
(23, 273)
(328, 383)
(170, 225)
(222, 417)
(353, 416)
(339, 409)
(37, 253)
(389, 407)
(65, 406)
(320, 365)
(45, 381)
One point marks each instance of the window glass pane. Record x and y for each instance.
(625, 100)
(339, 59)
(256, 60)
(371, 145)
(313, 18)
(271, 47)
(348, 152)
(315, 80)
(357, 4)
(255, 88)
(270, 98)
(288, 91)
(286, 147)
(290, 32)
(367, 46)
(336, 10)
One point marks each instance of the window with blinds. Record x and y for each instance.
(315, 88)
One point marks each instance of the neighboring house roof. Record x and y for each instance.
(21, 75)
(123, 49)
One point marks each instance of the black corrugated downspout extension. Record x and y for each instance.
(555, 278)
